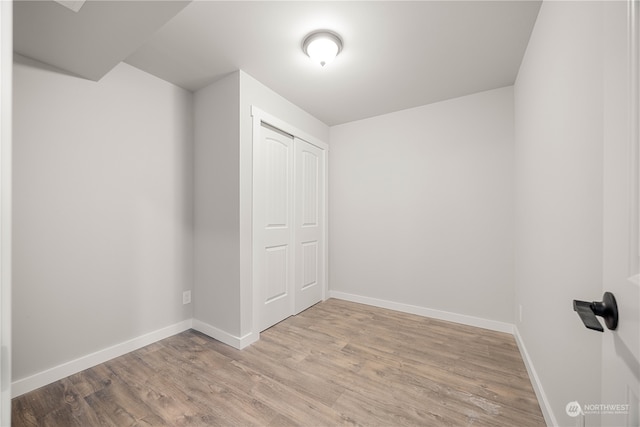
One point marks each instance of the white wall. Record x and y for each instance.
(217, 240)
(558, 122)
(421, 206)
(102, 208)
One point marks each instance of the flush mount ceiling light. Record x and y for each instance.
(322, 46)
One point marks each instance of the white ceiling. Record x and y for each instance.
(396, 54)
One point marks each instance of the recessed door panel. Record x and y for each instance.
(310, 185)
(276, 280)
(277, 180)
(309, 264)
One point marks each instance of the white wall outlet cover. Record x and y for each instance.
(186, 297)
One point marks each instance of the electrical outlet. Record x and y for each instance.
(520, 312)
(186, 297)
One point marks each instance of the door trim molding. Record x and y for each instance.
(259, 117)
(633, 32)
(6, 76)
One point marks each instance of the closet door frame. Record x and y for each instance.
(258, 118)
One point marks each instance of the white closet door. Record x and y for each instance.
(273, 226)
(310, 223)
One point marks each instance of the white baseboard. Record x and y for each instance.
(478, 322)
(547, 412)
(56, 373)
(225, 337)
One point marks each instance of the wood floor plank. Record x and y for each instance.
(92, 380)
(22, 413)
(337, 363)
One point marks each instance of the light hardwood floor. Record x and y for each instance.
(337, 363)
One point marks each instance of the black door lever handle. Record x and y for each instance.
(607, 309)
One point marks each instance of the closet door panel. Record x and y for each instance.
(309, 230)
(273, 226)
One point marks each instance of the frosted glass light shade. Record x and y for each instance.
(322, 46)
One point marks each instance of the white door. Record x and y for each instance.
(273, 226)
(310, 225)
(621, 347)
